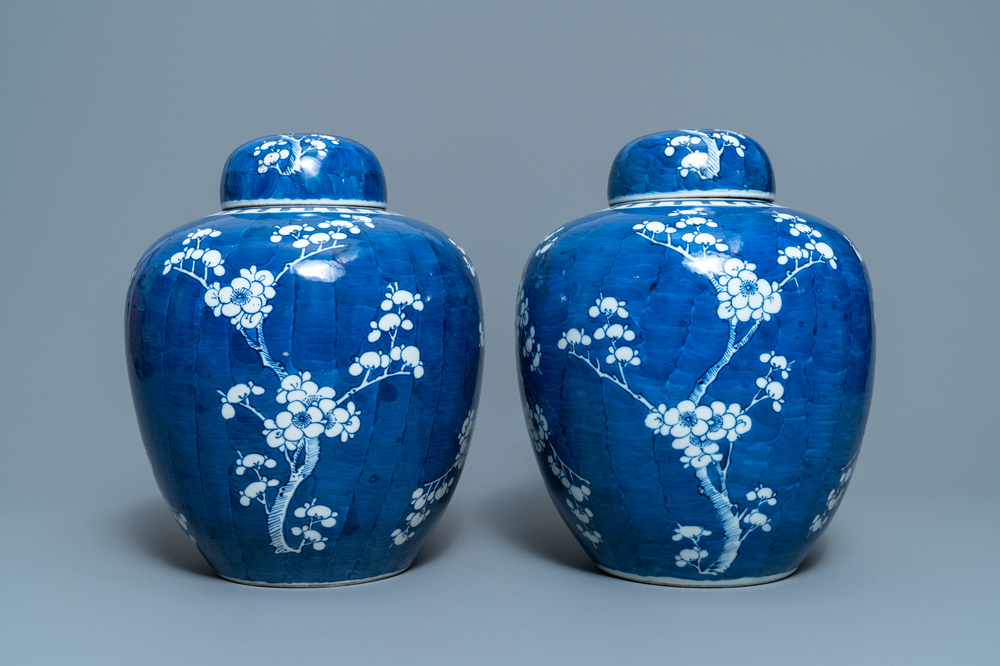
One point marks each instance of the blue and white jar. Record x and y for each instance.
(305, 368)
(696, 367)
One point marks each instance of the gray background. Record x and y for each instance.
(496, 123)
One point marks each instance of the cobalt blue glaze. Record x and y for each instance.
(305, 379)
(316, 168)
(691, 163)
(696, 374)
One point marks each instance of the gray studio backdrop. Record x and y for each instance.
(496, 122)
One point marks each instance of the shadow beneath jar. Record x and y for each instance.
(153, 529)
(524, 515)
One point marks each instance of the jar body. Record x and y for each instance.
(305, 380)
(696, 376)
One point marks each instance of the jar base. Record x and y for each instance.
(684, 582)
(339, 583)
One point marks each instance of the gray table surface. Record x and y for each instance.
(496, 123)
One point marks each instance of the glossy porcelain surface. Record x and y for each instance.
(696, 375)
(691, 163)
(305, 379)
(302, 168)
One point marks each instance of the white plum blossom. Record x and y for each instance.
(608, 306)
(817, 523)
(576, 486)
(342, 422)
(654, 227)
(681, 421)
(395, 302)
(317, 515)
(578, 492)
(833, 498)
(697, 428)
(183, 522)
(173, 260)
(532, 349)
(757, 519)
(361, 219)
(300, 388)
(538, 428)
(826, 252)
(404, 298)
(409, 355)
(803, 229)
(198, 234)
(703, 152)
(727, 422)
(701, 238)
(257, 491)
(522, 309)
(698, 452)
(689, 556)
(745, 296)
(792, 252)
(798, 227)
(311, 537)
(732, 141)
(253, 462)
(465, 438)
(573, 337)
(289, 154)
(690, 532)
(370, 360)
(622, 356)
(762, 493)
(322, 514)
(613, 332)
(244, 300)
(290, 426)
(236, 396)
(318, 233)
(209, 258)
(213, 259)
(695, 221)
(422, 499)
(696, 233)
(768, 385)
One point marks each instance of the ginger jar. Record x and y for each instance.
(305, 368)
(696, 367)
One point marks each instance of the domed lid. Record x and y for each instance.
(686, 164)
(302, 169)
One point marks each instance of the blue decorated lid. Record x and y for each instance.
(686, 164)
(302, 169)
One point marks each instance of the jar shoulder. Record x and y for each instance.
(258, 235)
(697, 232)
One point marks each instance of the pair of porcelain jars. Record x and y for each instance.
(695, 367)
